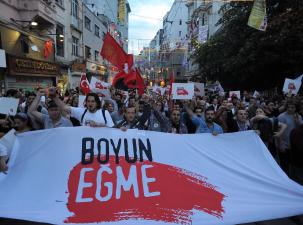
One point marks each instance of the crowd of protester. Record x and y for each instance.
(276, 119)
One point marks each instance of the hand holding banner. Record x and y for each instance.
(195, 179)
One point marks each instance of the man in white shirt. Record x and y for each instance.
(6, 146)
(92, 115)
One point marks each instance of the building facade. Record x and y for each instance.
(52, 42)
(173, 47)
(202, 18)
(117, 14)
(69, 49)
(94, 30)
(29, 53)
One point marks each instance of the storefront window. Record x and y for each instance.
(87, 52)
(24, 44)
(60, 40)
(96, 56)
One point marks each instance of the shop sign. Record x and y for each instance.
(31, 66)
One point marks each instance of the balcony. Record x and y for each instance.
(40, 11)
(76, 23)
(189, 3)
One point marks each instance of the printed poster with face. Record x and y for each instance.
(235, 94)
(199, 89)
(291, 86)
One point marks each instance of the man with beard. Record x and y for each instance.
(21, 125)
(132, 121)
(206, 125)
(92, 115)
(53, 119)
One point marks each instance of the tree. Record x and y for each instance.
(240, 56)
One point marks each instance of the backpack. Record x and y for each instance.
(276, 124)
(103, 114)
(265, 127)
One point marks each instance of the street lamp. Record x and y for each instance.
(32, 23)
(61, 36)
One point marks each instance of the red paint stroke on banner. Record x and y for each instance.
(181, 191)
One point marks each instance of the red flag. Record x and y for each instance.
(140, 82)
(135, 80)
(119, 76)
(84, 85)
(48, 48)
(171, 81)
(113, 52)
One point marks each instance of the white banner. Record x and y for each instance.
(100, 87)
(107, 176)
(2, 58)
(199, 89)
(183, 90)
(9, 106)
(292, 86)
(159, 90)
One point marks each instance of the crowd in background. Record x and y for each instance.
(276, 119)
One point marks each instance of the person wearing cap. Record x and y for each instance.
(54, 118)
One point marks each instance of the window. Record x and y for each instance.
(75, 49)
(0, 41)
(87, 23)
(60, 2)
(75, 8)
(180, 22)
(96, 56)
(24, 44)
(60, 40)
(180, 33)
(97, 31)
(203, 20)
(87, 52)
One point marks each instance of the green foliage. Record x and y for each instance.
(240, 56)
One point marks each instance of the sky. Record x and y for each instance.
(142, 30)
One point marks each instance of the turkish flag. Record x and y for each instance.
(171, 81)
(113, 52)
(84, 85)
(118, 81)
(131, 80)
(48, 48)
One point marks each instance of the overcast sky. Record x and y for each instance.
(142, 30)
